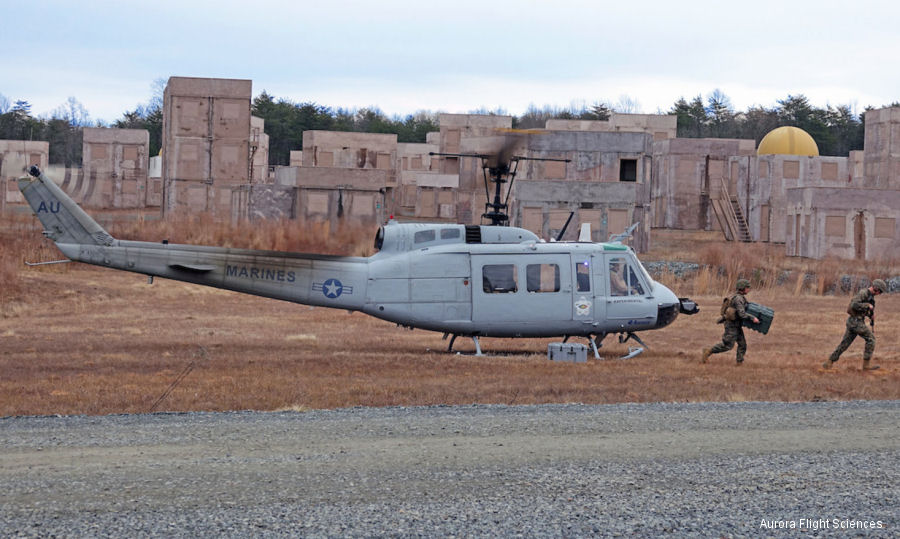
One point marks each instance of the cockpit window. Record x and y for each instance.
(379, 239)
(423, 236)
(449, 233)
(623, 280)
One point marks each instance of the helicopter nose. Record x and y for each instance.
(668, 306)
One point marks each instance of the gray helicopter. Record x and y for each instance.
(462, 280)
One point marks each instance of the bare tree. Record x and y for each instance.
(627, 105)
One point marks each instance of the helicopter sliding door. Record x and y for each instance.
(588, 285)
(528, 290)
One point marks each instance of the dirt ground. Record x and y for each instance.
(96, 341)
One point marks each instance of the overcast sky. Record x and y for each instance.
(405, 56)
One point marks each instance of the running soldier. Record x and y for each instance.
(734, 312)
(861, 306)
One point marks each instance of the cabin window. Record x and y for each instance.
(423, 236)
(450, 233)
(583, 276)
(542, 277)
(623, 280)
(499, 278)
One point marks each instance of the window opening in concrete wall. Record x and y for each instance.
(555, 169)
(885, 227)
(791, 170)
(835, 225)
(628, 170)
(859, 235)
(616, 221)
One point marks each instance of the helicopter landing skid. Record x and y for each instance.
(474, 338)
(631, 335)
(633, 351)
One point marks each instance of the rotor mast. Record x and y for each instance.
(497, 206)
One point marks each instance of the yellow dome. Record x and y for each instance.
(788, 141)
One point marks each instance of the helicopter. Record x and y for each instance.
(488, 280)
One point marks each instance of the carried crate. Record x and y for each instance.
(763, 313)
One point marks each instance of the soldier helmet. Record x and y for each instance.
(880, 285)
(741, 284)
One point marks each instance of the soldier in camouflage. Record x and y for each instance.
(734, 324)
(861, 306)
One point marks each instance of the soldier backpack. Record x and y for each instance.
(728, 312)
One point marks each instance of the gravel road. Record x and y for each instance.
(690, 470)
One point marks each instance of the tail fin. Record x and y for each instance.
(63, 220)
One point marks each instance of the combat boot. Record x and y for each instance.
(868, 367)
(828, 363)
(705, 357)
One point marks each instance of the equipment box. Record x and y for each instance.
(764, 314)
(560, 351)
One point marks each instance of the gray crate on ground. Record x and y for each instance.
(561, 351)
(764, 314)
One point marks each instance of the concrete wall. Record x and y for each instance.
(421, 182)
(822, 221)
(659, 126)
(15, 158)
(206, 143)
(115, 163)
(259, 151)
(338, 194)
(253, 202)
(882, 148)
(596, 184)
(461, 133)
(775, 174)
(340, 149)
(688, 173)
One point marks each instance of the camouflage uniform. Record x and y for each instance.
(734, 330)
(862, 304)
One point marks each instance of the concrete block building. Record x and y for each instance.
(343, 176)
(115, 166)
(606, 182)
(206, 146)
(15, 158)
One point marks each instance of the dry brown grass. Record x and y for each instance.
(95, 341)
(765, 265)
(76, 339)
(282, 235)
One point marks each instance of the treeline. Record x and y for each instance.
(286, 121)
(63, 129)
(836, 130)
